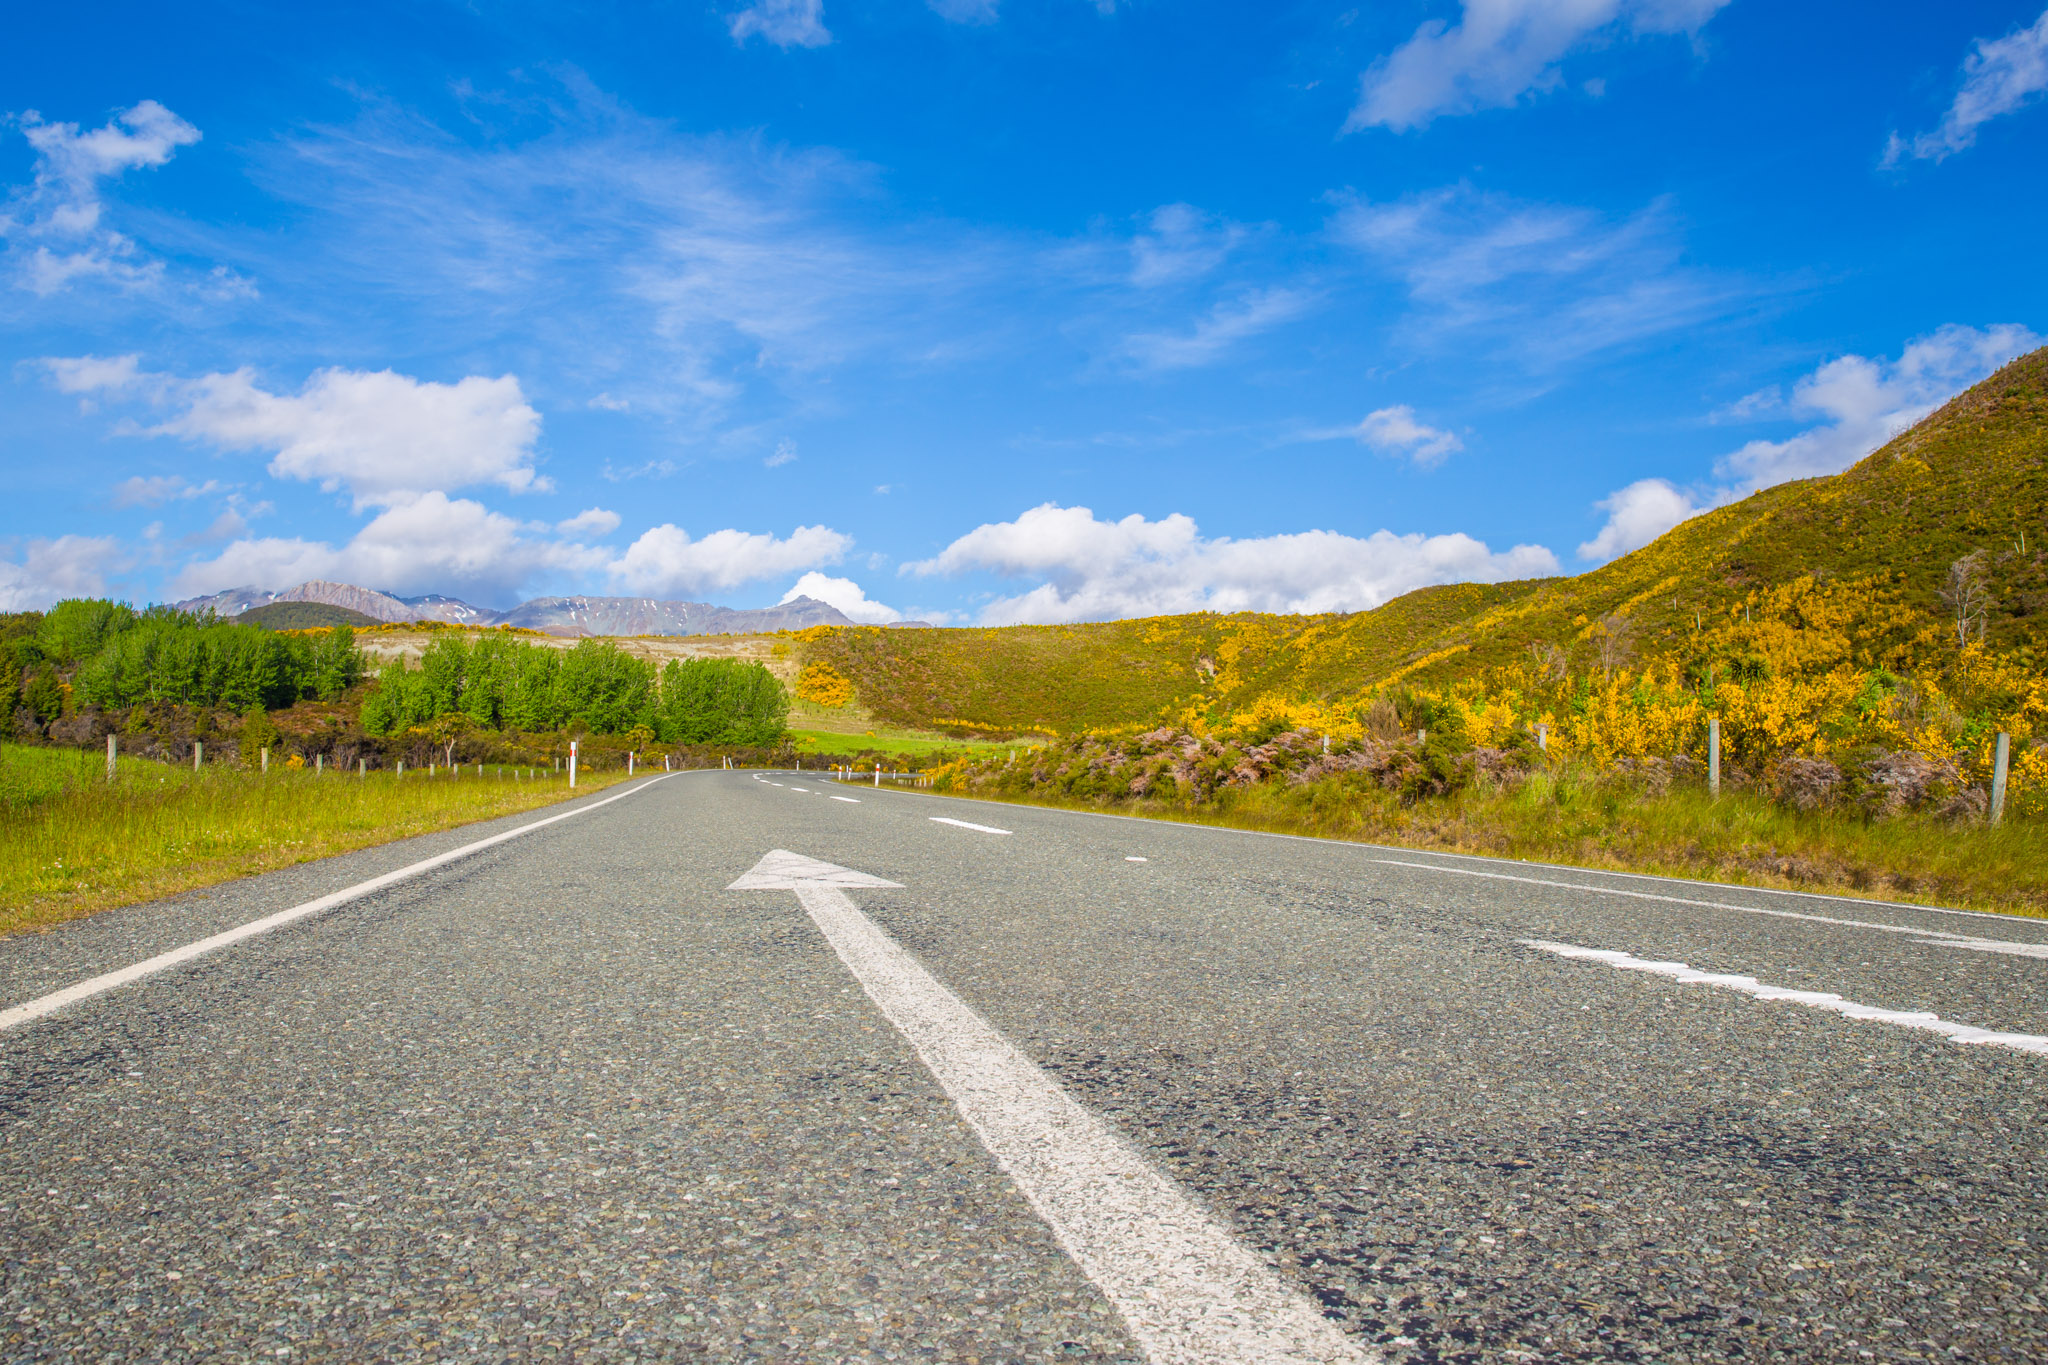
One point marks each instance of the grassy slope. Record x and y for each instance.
(303, 616)
(70, 844)
(1972, 475)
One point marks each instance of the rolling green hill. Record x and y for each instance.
(302, 616)
(1972, 476)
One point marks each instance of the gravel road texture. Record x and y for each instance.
(570, 1098)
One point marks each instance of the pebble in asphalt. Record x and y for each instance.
(571, 1099)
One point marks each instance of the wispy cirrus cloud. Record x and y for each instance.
(1218, 331)
(785, 23)
(2001, 77)
(1559, 282)
(1502, 50)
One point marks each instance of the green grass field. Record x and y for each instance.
(71, 843)
(892, 741)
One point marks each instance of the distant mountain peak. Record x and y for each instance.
(568, 616)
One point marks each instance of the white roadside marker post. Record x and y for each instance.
(110, 758)
(878, 774)
(572, 762)
(1714, 757)
(2001, 758)
(630, 756)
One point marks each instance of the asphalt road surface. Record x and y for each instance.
(1084, 1089)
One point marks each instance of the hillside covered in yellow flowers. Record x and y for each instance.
(1896, 607)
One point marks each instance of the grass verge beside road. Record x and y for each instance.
(72, 843)
(1584, 822)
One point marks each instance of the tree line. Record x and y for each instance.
(501, 684)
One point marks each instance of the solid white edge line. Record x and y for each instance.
(1188, 1290)
(1360, 846)
(1940, 937)
(965, 824)
(84, 990)
(1966, 1034)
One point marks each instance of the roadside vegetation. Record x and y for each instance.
(71, 842)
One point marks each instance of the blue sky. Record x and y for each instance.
(979, 310)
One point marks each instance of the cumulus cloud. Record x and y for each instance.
(846, 595)
(2001, 76)
(1394, 431)
(385, 437)
(51, 570)
(785, 23)
(1501, 50)
(54, 225)
(1864, 403)
(666, 560)
(1867, 402)
(1225, 325)
(592, 521)
(1095, 569)
(1637, 515)
(427, 543)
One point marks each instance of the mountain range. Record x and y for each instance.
(567, 616)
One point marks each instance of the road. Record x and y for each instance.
(570, 1097)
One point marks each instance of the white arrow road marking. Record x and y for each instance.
(1189, 1292)
(1939, 938)
(57, 1000)
(965, 824)
(1823, 1000)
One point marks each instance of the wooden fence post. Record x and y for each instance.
(1714, 757)
(198, 751)
(2001, 758)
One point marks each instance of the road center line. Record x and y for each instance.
(1967, 1034)
(1937, 937)
(1189, 1292)
(965, 824)
(70, 995)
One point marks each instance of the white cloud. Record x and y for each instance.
(785, 451)
(665, 560)
(2001, 76)
(1181, 243)
(593, 521)
(846, 595)
(1637, 515)
(154, 490)
(1394, 431)
(51, 570)
(1257, 311)
(785, 23)
(1562, 281)
(60, 211)
(384, 436)
(428, 543)
(1501, 50)
(1865, 403)
(1101, 570)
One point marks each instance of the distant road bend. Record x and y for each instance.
(735, 1066)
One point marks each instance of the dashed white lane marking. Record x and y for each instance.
(1129, 858)
(965, 824)
(1823, 1000)
(849, 800)
(71, 995)
(1189, 1292)
(1938, 937)
(805, 790)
